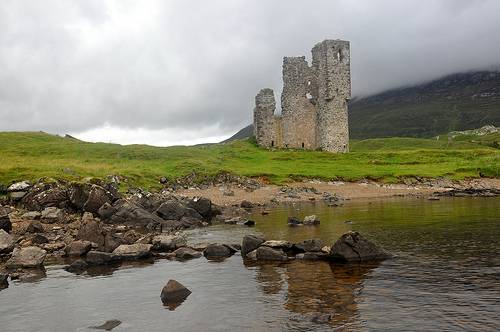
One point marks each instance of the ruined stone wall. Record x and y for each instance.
(313, 102)
(332, 90)
(298, 113)
(264, 119)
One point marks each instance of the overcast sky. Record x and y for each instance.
(184, 72)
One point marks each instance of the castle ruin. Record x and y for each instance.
(313, 102)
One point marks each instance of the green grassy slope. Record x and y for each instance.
(28, 155)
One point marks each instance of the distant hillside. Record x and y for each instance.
(455, 102)
(243, 133)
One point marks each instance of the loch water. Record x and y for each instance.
(445, 276)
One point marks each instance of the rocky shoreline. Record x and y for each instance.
(92, 224)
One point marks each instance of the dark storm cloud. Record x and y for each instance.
(69, 66)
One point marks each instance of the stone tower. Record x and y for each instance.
(332, 91)
(313, 102)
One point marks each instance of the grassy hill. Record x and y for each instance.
(28, 155)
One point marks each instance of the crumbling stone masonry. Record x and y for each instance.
(313, 102)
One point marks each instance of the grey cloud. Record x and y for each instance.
(75, 65)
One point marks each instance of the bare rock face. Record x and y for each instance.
(133, 251)
(174, 292)
(28, 257)
(128, 213)
(353, 247)
(250, 243)
(270, 254)
(6, 242)
(78, 248)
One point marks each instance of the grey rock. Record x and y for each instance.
(7, 242)
(250, 243)
(97, 197)
(19, 186)
(270, 254)
(217, 251)
(174, 292)
(285, 245)
(311, 220)
(108, 325)
(314, 245)
(185, 253)
(252, 255)
(27, 257)
(133, 251)
(16, 196)
(166, 242)
(52, 215)
(310, 256)
(4, 283)
(246, 204)
(106, 211)
(202, 205)
(92, 231)
(78, 195)
(32, 215)
(294, 221)
(128, 213)
(353, 247)
(5, 222)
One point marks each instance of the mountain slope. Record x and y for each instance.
(455, 102)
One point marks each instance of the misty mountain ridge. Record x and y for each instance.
(454, 102)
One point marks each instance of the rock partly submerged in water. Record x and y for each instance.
(28, 257)
(132, 251)
(108, 325)
(250, 243)
(174, 293)
(217, 251)
(269, 254)
(353, 247)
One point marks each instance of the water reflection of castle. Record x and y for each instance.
(314, 288)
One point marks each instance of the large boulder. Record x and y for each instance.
(99, 257)
(164, 242)
(171, 210)
(269, 254)
(217, 251)
(97, 197)
(353, 247)
(133, 251)
(174, 292)
(55, 197)
(128, 213)
(202, 205)
(91, 230)
(18, 190)
(7, 242)
(250, 243)
(5, 222)
(78, 248)
(28, 257)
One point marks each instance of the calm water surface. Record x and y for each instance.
(446, 277)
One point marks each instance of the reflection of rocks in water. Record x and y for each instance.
(28, 275)
(109, 269)
(270, 277)
(317, 290)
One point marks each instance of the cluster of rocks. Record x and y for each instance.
(311, 220)
(350, 247)
(469, 192)
(93, 223)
